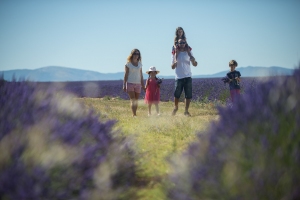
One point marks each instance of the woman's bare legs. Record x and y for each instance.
(133, 101)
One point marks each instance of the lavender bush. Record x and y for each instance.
(211, 89)
(251, 152)
(52, 147)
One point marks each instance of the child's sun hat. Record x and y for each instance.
(152, 69)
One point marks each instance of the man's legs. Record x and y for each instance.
(187, 104)
(176, 100)
(177, 93)
(188, 95)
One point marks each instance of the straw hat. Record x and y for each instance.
(152, 69)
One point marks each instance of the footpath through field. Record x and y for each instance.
(156, 137)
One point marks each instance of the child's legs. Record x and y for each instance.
(157, 108)
(149, 108)
(235, 93)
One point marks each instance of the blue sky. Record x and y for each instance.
(99, 35)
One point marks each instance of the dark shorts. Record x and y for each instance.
(183, 84)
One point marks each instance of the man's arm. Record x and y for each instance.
(174, 63)
(194, 63)
(193, 60)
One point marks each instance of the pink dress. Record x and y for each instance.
(152, 92)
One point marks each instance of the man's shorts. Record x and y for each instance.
(183, 84)
(134, 87)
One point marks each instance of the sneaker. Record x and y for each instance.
(186, 113)
(174, 111)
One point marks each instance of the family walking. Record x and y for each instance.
(182, 58)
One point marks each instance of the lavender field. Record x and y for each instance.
(209, 89)
(55, 146)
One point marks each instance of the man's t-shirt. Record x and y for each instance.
(234, 84)
(183, 69)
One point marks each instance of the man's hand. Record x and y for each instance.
(174, 65)
(194, 63)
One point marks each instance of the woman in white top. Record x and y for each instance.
(133, 78)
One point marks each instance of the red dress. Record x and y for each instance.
(152, 92)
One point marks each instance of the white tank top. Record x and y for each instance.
(134, 75)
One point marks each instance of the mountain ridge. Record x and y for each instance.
(60, 74)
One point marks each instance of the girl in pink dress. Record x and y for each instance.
(152, 90)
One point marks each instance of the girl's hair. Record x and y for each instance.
(149, 76)
(177, 36)
(233, 62)
(129, 58)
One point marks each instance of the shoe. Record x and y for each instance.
(186, 113)
(174, 111)
(158, 114)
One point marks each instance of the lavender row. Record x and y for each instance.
(52, 147)
(251, 152)
(209, 88)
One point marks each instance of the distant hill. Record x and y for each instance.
(253, 72)
(56, 74)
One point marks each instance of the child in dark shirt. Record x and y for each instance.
(234, 80)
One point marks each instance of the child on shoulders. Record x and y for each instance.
(180, 34)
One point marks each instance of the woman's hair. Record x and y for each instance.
(177, 36)
(129, 58)
(233, 62)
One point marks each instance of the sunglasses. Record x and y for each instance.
(136, 53)
(181, 42)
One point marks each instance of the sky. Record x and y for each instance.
(98, 35)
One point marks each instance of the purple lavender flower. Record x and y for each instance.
(209, 88)
(252, 151)
(52, 147)
(159, 80)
